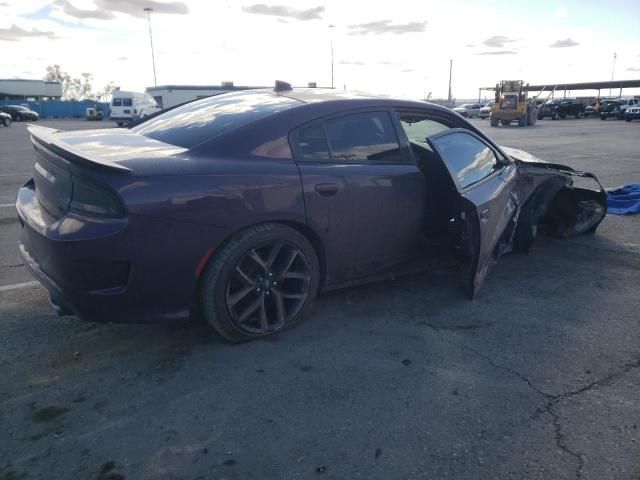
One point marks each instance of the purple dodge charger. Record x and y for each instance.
(241, 207)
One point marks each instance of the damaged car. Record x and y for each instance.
(241, 208)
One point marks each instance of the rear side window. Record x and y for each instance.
(363, 136)
(127, 102)
(312, 142)
(202, 120)
(116, 102)
(468, 159)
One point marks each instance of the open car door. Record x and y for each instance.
(487, 206)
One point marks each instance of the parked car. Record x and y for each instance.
(469, 110)
(561, 107)
(632, 113)
(485, 111)
(610, 108)
(627, 103)
(243, 206)
(127, 107)
(19, 113)
(5, 119)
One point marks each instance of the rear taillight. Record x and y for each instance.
(88, 199)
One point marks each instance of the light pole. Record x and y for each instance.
(153, 59)
(331, 27)
(613, 67)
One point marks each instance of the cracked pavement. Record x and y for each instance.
(537, 378)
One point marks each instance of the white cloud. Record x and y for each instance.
(561, 12)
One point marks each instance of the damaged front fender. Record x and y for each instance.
(551, 200)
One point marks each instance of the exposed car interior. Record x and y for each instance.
(440, 190)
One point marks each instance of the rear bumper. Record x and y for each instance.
(109, 270)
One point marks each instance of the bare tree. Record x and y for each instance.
(105, 92)
(72, 88)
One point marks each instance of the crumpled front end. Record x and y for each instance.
(555, 197)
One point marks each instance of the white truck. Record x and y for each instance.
(127, 107)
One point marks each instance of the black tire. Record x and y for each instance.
(579, 115)
(119, 124)
(6, 122)
(505, 122)
(626, 120)
(224, 274)
(494, 121)
(603, 117)
(18, 118)
(563, 116)
(522, 121)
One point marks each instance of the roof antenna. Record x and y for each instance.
(282, 86)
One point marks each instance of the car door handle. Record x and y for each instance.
(327, 189)
(484, 215)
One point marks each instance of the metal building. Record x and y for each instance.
(29, 90)
(170, 95)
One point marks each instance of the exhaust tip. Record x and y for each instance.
(60, 310)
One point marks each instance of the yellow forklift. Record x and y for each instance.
(512, 105)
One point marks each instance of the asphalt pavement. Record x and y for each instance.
(537, 378)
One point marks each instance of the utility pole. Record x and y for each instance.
(613, 68)
(153, 59)
(450, 70)
(331, 27)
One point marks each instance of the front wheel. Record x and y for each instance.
(626, 120)
(6, 122)
(261, 282)
(494, 121)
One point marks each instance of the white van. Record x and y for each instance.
(129, 106)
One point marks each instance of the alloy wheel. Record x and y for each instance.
(267, 287)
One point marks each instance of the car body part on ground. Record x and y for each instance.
(243, 206)
(624, 200)
(512, 105)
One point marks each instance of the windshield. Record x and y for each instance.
(467, 105)
(202, 120)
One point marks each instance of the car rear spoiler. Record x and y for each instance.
(46, 137)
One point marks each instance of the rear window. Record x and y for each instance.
(199, 121)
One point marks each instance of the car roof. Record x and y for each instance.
(352, 99)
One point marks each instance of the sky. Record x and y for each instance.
(400, 48)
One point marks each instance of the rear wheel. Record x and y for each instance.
(505, 122)
(626, 120)
(603, 117)
(494, 121)
(261, 282)
(6, 122)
